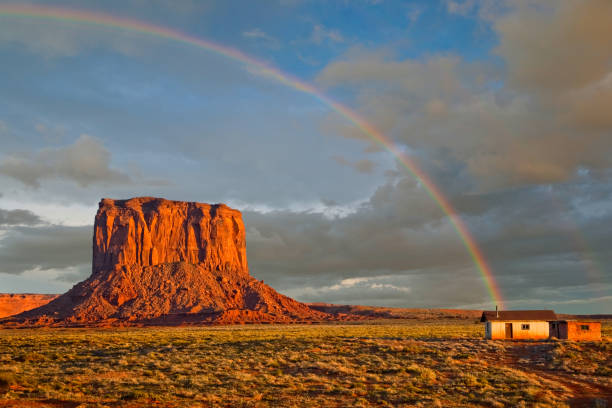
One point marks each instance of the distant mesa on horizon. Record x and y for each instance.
(14, 303)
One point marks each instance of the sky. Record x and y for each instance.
(504, 105)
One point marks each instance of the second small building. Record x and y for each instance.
(575, 330)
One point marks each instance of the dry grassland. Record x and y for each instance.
(385, 364)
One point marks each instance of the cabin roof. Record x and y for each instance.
(524, 315)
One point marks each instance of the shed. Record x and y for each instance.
(575, 330)
(517, 324)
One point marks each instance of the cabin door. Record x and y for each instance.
(508, 330)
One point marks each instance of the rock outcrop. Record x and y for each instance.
(157, 261)
(14, 303)
(148, 231)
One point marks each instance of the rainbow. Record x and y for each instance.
(107, 20)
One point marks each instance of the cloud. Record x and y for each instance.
(413, 13)
(378, 69)
(53, 134)
(255, 33)
(321, 34)
(398, 224)
(56, 39)
(399, 249)
(188, 8)
(484, 9)
(18, 217)
(356, 290)
(362, 166)
(460, 7)
(525, 122)
(259, 34)
(45, 248)
(84, 162)
(308, 60)
(536, 41)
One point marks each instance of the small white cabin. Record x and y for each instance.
(517, 324)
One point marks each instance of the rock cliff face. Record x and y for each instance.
(151, 231)
(157, 261)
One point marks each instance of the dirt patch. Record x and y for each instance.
(535, 358)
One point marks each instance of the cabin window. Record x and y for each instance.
(584, 327)
(524, 327)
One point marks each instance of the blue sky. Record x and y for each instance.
(472, 89)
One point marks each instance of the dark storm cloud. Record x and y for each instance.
(47, 247)
(18, 217)
(534, 238)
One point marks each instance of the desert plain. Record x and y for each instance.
(400, 362)
(171, 317)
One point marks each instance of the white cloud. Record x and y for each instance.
(371, 282)
(348, 283)
(351, 289)
(328, 209)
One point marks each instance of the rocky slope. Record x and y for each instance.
(13, 303)
(157, 261)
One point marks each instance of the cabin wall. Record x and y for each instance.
(537, 330)
(574, 331)
(497, 331)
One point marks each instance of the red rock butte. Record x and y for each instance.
(150, 231)
(157, 261)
